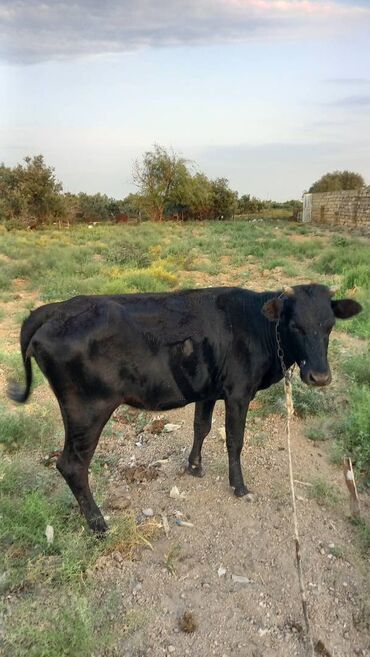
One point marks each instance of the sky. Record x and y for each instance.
(270, 94)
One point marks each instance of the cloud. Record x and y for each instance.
(348, 81)
(352, 101)
(34, 31)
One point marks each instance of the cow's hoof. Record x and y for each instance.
(98, 526)
(240, 491)
(195, 470)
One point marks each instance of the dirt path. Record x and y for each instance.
(260, 616)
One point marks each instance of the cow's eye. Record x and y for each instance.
(297, 329)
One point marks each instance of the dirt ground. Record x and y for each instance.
(196, 568)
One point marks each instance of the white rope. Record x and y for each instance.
(290, 411)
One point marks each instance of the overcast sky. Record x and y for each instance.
(268, 93)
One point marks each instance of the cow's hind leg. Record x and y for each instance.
(202, 426)
(81, 439)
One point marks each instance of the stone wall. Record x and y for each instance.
(347, 209)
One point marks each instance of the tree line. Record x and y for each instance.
(169, 187)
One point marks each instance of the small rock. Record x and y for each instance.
(240, 579)
(168, 428)
(250, 497)
(175, 493)
(49, 533)
(171, 649)
(148, 513)
(221, 571)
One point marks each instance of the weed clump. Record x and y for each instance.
(324, 493)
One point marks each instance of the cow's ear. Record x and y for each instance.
(345, 308)
(272, 309)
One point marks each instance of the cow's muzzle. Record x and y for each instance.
(313, 378)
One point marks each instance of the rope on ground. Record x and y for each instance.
(290, 411)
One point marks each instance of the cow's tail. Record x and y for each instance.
(16, 391)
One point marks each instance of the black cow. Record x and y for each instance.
(163, 351)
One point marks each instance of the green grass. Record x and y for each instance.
(171, 559)
(353, 429)
(349, 261)
(357, 368)
(324, 493)
(363, 528)
(32, 497)
(319, 430)
(337, 551)
(25, 426)
(12, 363)
(67, 624)
(308, 401)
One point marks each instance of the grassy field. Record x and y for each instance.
(50, 581)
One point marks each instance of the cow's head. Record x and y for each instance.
(306, 315)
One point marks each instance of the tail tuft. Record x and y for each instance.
(18, 393)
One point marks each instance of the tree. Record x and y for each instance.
(12, 203)
(201, 197)
(224, 200)
(337, 181)
(97, 207)
(40, 190)
(156, 177)
(30, 193)
(248, 204)
(132, 205)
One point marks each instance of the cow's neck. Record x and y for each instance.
(285, 343)
(271, 343)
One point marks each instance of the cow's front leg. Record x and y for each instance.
(236, 413)
(202, 426)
